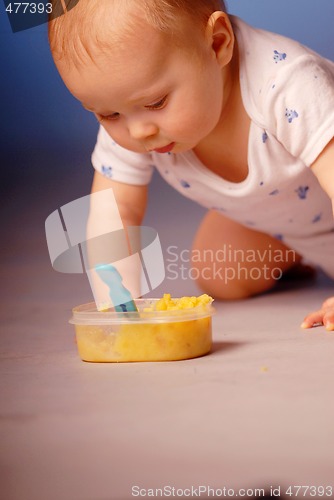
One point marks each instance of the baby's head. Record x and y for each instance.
(101, 25)
(152, 71)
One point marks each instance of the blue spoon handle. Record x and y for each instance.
(119, 295)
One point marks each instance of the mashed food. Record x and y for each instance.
(166, 329)
(169, 304)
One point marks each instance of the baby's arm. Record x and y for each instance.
(323, 168)
(131, 202)
(131, 199)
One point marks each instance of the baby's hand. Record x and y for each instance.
(324, 316)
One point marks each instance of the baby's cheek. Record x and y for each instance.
(187, 121)
(121, 136)
(198, 122)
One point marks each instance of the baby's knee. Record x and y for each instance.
(232, 283)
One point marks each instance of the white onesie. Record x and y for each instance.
(288, 93)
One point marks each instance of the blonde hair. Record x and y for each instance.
(83, 26)
(164, 14)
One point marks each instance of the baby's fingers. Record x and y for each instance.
(313, 319)
(322, 317)
(328, 319)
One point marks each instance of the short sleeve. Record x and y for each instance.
(299, 106)
(119, 164)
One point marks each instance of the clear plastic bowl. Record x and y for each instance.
(144, 336)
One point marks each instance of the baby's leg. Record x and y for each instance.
(232, 261)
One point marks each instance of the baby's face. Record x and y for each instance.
(152, 94)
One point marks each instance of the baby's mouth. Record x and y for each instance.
(165, 149)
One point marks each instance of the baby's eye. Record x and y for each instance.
(157, 105)
(112, 117)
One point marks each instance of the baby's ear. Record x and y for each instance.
(220, 35)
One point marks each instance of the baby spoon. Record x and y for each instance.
(119, 295)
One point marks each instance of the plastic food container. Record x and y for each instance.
(143, 336)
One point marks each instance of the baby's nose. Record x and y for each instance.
(142, 130)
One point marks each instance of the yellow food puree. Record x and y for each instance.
(169, 304)
(163, 340)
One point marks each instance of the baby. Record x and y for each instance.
(238, 119)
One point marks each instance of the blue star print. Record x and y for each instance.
(290, 114)
(316, 218)
(184, 183)
(107, 171)
(302, 192)
(264, 137)
(279, 56)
